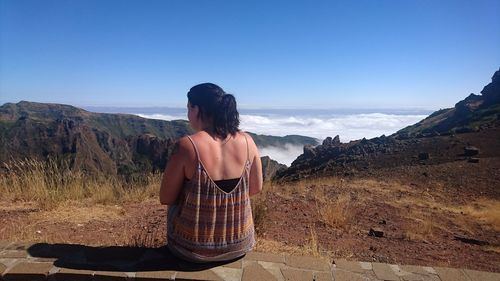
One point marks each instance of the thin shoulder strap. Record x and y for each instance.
(195, 149)
(248, 152)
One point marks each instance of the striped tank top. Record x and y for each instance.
(209, 224)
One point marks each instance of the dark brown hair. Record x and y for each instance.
(217, 106)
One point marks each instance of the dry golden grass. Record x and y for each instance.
(49, 183)
(419, 229)
(336, 212)
(259, 206)
(314, 245)
(486, 211)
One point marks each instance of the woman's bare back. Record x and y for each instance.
(222, 159)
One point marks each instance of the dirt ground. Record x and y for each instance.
(423, 222)
(440, 212)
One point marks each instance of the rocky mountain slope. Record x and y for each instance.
(100, 143)
(93, 142)
(469, 115)
(436, 139)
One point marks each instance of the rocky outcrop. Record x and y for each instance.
(472, 114)
(430, 141)
(270, 167)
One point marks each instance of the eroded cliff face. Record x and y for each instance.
(99, 143)
(92, 142)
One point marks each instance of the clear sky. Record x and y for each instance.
(321, 54)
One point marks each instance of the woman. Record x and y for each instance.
(208, 181)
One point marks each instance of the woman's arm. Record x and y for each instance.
(173, 176)
(256, 169)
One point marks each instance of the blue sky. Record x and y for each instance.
(270, 54)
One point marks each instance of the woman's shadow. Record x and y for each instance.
(116, 258)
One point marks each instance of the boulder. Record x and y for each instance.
(331, 142)
(423, 156)
(376, 232)
(471, 151)
(473, 160)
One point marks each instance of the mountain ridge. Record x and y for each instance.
(108, 143)
(432, 140)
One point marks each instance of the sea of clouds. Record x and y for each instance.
(319, 124)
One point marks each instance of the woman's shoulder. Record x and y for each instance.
(248, 136)
(183, 145)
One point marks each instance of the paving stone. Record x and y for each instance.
(307, 263)
(352, 266)
(366, 265)
(256, 256)
(28, 271)
(13, 254)
(384, 272)
(19, 246)
(65, 274)
(4, 244)
(414, 269)
(413, 277)
(110, 276)
(475, 275)
(418, 277)
(323, 276)
(8, 261)
(52, 260)
(296, 274)
(255, 271)
(450, 274)
(342, 275)
(235, 264)
(398, 271)
(228, 274)
(207, 275)
(274, 268)
(155, 275)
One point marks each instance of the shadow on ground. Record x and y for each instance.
(115, 258)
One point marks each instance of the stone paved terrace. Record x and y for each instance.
(24, 261)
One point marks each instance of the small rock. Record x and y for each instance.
(39, 232)
(473, 160)
(423, 156)
(471, 151)
(376, 232)
(382, 222)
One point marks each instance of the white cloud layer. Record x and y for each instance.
(347, 126)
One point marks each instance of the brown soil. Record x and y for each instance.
(436, 214)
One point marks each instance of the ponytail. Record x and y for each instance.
(226, 118)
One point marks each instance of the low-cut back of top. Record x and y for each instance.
(209, 222)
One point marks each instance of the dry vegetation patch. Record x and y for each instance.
(72, 212)
(51, 183)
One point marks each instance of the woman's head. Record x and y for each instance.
(214, 108)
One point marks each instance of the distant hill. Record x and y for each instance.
(265, 140)
(99, 143)
(430, 141)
